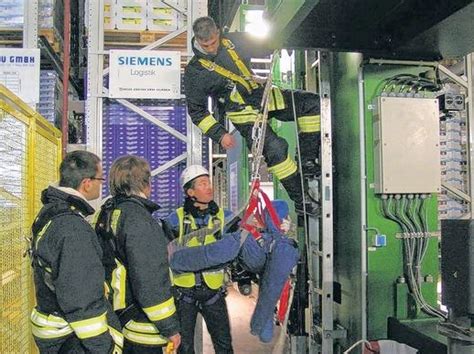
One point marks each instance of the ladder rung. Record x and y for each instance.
(318, 253)
(318, 291)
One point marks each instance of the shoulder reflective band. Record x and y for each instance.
(240, 64)
(207, 123)
(276, 101)
(247, 115)
(91, 327)
(309, 124)
(115, 218)
(283, 169)
(95, 217)
(49, 326)
(41, 233)
(161, 311)
(116, 336)
(209, 65)
(118, 283)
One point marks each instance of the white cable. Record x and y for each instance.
(353, 346)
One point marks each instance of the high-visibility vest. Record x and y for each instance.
(213, 279)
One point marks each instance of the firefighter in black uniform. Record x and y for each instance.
(72, 314)
(136, 260)
(220, 69)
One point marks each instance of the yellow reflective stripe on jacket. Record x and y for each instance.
(115, 219)
(48, 326)
(49, 332)
(118, 284)
(143, 333)
(161, 311)
(91, 327)
(211, 66)
(142, 327)
(41, 233)
(247, 115)
(309, 124)
(238, 62)
(284, 169)
(116, 336)
(236, 97)
(207, 123)
(276, 101)
(95, 218)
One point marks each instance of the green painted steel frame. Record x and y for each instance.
(385, 297)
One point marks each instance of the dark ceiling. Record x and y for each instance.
(395, 28)
(223, 11)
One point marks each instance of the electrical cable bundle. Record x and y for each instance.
(409, 212)
(409, 83)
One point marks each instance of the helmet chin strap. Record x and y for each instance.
(195, 200)
(191, 207)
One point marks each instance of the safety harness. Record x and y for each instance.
(245, 77)
(39, 228)
(50, 326)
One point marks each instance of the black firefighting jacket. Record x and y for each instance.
(69, 276)
(140, 249)
(201, 83)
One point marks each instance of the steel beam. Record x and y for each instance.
(327, 302)
(30, 24)
(469, 60)
(95, 67)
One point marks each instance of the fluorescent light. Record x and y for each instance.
(255, 24)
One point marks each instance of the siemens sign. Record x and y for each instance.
(147, 61)
(145, 74)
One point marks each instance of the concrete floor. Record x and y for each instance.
(240, 311)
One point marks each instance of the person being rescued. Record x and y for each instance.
(273, 257)
(136, 260)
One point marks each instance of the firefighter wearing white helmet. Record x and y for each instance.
(202, 291)
(192, 172)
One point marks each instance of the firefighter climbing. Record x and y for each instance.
(220, 69)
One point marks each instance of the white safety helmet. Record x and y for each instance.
(192, 172)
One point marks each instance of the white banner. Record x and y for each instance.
(20, 72)
(145, 74)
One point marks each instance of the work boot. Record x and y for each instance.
(292, 185)
(311, 209)
(310, 168)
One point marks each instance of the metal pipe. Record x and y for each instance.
(452, 76)
(66, 65)
(363, 203)
(402, 62)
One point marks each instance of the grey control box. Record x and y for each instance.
(406, 145)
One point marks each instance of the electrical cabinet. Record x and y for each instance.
(406, 145)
